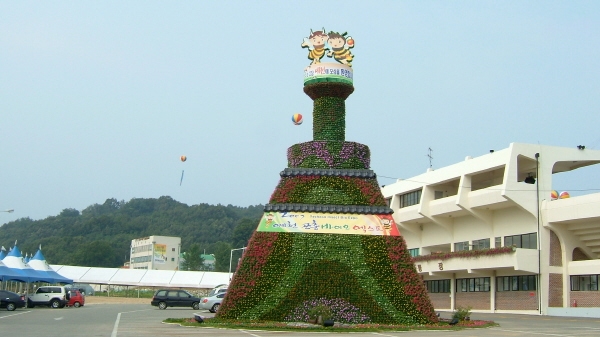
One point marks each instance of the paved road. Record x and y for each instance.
(128, 320)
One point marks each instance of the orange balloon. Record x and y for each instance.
(183, 158)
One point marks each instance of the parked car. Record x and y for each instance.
(10, 300)
(76, 298)
(52, 296)
(221, 288)
(85, 289)
(174, 298)
(212, 303)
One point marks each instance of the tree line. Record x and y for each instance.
(101, 234)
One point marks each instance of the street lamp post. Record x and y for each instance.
(231, 258)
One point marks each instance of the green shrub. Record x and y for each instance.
(320, 310)
(462, 313)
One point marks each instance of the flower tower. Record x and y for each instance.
(327, 237)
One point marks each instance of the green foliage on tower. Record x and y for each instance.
(358, 278)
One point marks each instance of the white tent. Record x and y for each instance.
(38, 262)
(143, 277)
(14, 261)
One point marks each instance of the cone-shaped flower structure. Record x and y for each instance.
(327, 238)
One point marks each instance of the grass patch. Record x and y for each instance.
(296, 326)
(131, 293)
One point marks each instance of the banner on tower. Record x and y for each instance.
(328, 223)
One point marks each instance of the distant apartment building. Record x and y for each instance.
(155, 252)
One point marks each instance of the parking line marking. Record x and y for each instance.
(20, 313)
(533, 333)
(251, 334)
(116, 327)
(127, 312)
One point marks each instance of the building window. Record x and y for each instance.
(172, 259)
(481, 244)
(458, 246)
(140, 249)
(388, 202)
(584, 282)
(172, 249)
(516, 283)
(414, 252)
(521, 241)
(479, 284)
(498, 242)
(410, 198)
(438, 286)
(141, 259)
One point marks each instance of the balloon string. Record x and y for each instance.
(181, 180)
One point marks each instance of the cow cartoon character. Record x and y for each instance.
(316, 45)
(340, 47)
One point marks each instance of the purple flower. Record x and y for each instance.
(341, 310)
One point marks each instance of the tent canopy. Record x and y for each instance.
(143, 277)
(14, 261)
(38, 262)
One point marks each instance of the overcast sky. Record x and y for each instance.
(99, 99)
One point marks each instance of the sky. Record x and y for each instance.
(99, 99)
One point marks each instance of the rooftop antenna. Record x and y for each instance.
(429, 155)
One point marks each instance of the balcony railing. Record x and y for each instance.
(464, 254)
(486, 259)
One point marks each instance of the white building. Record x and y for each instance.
(155, 252)
(450, 216)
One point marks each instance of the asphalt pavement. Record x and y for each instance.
(128, 320)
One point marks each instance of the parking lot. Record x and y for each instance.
(128, 320)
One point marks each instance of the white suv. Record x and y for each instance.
(52, 296)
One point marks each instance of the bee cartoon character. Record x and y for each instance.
(387, 226)
(340, 47)
(316, 45)
(269, 219)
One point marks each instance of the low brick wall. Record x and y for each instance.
(585, 299)
(516, 300)
(440, 300)
(475, 300)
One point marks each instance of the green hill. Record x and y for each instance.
(101, 234)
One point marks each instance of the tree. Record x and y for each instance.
(97, 254)
(243, 231)
(222, 251)
(193, 259)
(116, 223)
(69, 212)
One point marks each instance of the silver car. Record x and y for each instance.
(212, 303)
